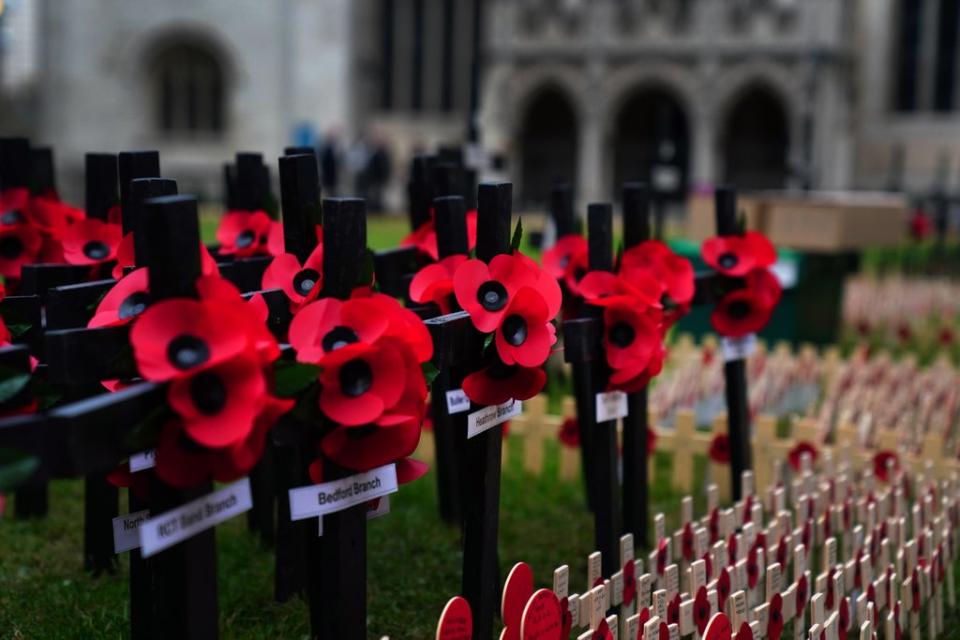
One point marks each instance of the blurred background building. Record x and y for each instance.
(826, 94)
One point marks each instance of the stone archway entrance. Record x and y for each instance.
(548, 145)
(755, 141)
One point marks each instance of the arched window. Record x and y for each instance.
(188, 91)
(548, 145)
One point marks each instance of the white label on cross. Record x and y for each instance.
(738, 348)
(561, 581)
(457, 401)
(611, 405)
(167, 529)
(594, 561)
(126, 530)
(143, 460)
(489, 417)
(337, 495)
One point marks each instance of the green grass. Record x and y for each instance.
(414, 561)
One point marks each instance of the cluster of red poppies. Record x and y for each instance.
(248, 233)
(371, 385)
(746, 260)
(567, 261)
(300, 282)
(424, 237)
(219, 380)
(649, 292)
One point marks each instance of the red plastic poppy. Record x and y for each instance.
(409, 470)
(360, 382)
(753, 566)
(126, 300)
(485, 292)
(915, 590)
(629, 583)
(138, 483)
(829, 601)
(738, 255)
(634, 378)
(569, 249)
(631, 336)
(424, 238)
(181, 462)
(701, 610)
(125, 259)
(673, 610)
(569, 433)
(405, 325)
(525, 334)
(739, 313)
(13, 206)
(723, 589)
(236, 461)
(651, 441)
(219, 404)
(686, 542)
(176, 337)
(802, 594)
(52, 216)
(19, 245)
(300, 283)
(657, 260)
(434, 283)
(324, 326)
(662, 548)
(497, 383)
(720, 449)
(243, 233)
(775, 617)
(795, 455)
(603, 288)
(566, 618)
(413, 401)
(370, 446)
(91, 241)
(602, 632)
(885, 465)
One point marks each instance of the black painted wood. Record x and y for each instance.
(101, 184)
(43, 174)
(141, 190)
(418, 192)
(132, 165)
(564, 217)
(300, 197)
(14, 163)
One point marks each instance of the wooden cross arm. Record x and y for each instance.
(394, 269)
(246, 273)
(38, 278)
(22, 310)
(29, 435)
(101, 431)
(712, 286)
(455, 340)
(582, 340)
(78, 356)
(71, 306)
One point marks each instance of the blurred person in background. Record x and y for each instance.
(330, 162)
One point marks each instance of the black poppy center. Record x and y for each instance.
(187, 351)
(514, 330)
(96, 250)
(305, 281)
(208, 393)
(622, 335)
(133, 305)
(492, 295)
(728, 260)
(11, 217)
(245, 238)
(578, 273)
(356, 378)
(739, 309)
(338, 337)
(359, 433)
(11, 247)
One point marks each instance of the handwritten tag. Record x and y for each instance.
(167, 529)
(456, 621)
(611, 405)
(457, 401)
(738, 348)
(489, 417)
(143, 460)
(561, 581)
(126, 530)
(542, 617)
(337, 495)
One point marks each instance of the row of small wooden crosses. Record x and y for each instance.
(831, 554)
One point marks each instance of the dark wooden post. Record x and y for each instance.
(133, 165)
(583, 348)
(734, 371)
(418, 193)
(562, 211)
(43, 174)
(481, 464)
(337, 574)
(449, 431)
(251, 182)
(636, 229)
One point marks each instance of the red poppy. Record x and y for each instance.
(434, 283)
(701, 610)
(713, 524)
(738, 255)
(745, 632)
(525, 333)
(19, 245)
(359, 382)
(920, 225)
(631, 337)
(723, 589)
(775, 617)
(571, 248)
(569, 433)
(603, 288)
(673, 610)
(249, 316)
(795, 455)
(747, 310)
(566, 617)
(720, 449)
(946, 336)
(13, 206)
(635, 378)
(845, 614)
(915, 590)
(753, 566)
(424, 238)
(124, 302)
(138, 483)
(802, 594)
(175, 337)
(219, 404)
(662, 548)
(732, 549)
(125, 259)
(370, 446)
(602, 632)
(52, 216)
(300, 283)
(91, 241)
(686, 542)
(656, 258)
(243, 233)
(629, 583)
(885, 465)
(831, 596)
(498, 382)
(651, 441)
(781, 552)
(897, 627)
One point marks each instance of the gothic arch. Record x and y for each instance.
(754, 142)
(547, 142)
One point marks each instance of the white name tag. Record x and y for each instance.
(337, 495)
(169, 528)
(489, 417)
(143, 460)
(738, 348)
(457, 401)
(126, 528)
(611, 405)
